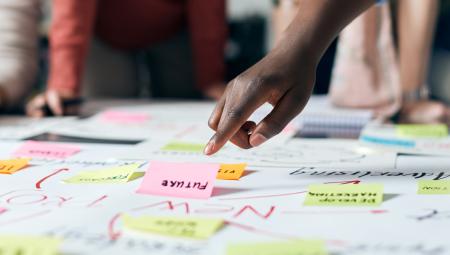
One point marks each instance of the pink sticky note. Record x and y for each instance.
(33, 149)
(124, 117)
(185, 180)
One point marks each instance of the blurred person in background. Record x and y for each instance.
(389, 78)
(18, 51)
(373, 72)
(122, 27)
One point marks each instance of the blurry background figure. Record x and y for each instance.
(416, 33)
(382, 68)
(183, 44)
(440, 75)
(18, 51)
(375, 76)
(366, 73)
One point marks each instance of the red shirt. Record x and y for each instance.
(135, 24)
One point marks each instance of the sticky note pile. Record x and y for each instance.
(119, 174)
(422, 130)
(231, 171)
(344, 195)
(302, 247)
(196, 228)
(183, 147)
(431, 187)
(124, 117)
(12, 165)
(187, 180)
(28, 245)
(33, 149)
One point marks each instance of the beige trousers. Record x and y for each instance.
(163, 71)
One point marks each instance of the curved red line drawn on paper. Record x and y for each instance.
(39, 183)
(114, 235)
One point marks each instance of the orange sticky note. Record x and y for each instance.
(187, 180)
(231, 171)
(33, 149)
(12, 165)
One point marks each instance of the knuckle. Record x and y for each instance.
(212, 124)
(235, 113)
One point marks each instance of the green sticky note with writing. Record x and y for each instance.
(301, 247)
(113, 175)
(183, 147)
(344, 195)
(186, 227)
(23, 244)
(422, 130)
(432, 187)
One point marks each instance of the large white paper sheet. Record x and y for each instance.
(266, 204)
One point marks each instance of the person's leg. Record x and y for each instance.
(366, 73)
(416, 26)
(110, 73)
(156, 25)
(171, 69)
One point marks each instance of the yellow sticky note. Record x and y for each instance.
(12, 165)
(344, 195)
(231, 171)
(422, 130)
(17, 244)
(183, 147)
(120, 174)
(302, 247)
(196, 228)
(430, 187)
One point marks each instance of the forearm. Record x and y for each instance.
(208, 34)
(69, 40)
(317, 24)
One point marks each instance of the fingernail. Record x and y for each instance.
(209, 148)
(257, 139)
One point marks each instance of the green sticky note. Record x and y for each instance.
(301, 247)
(119, 174)
(344, 195)
(183, 147)
(29, 245)
(195, 228)
(430, 187)
(422, 130)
